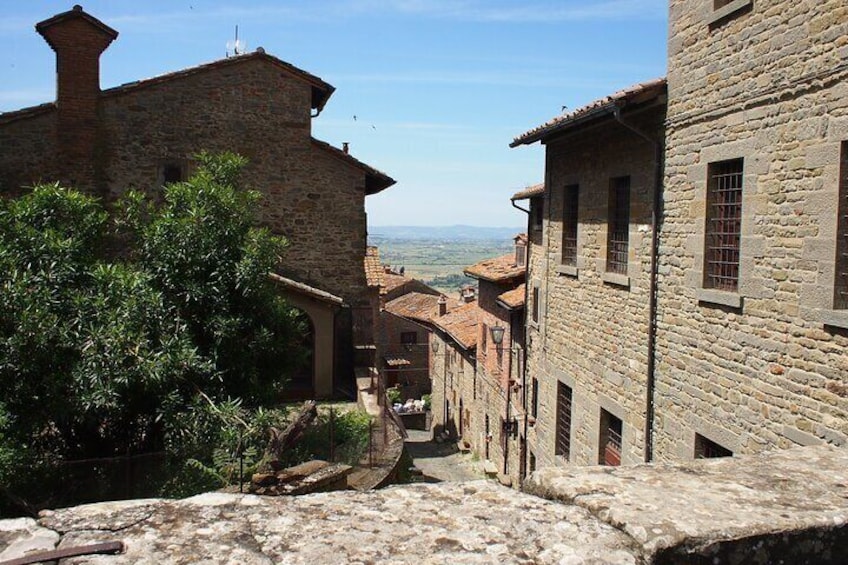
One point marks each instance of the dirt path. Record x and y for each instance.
(440, 462)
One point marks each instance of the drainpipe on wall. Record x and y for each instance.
(656, 219)
(525, 425)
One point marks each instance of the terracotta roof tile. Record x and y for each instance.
(373, 268)
(529, 192)
(392, 281)
(496, 270)
(513, 299)
(461, 324)
(418, 306)
(632, 95)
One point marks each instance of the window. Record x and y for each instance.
(409, 338)
(520, 254)
(619, 225)
(724, 225)
(484, 343)
(171, 173)
(537, 211)
(532, 461)
(610, 440)
(707, 449)
(535, 304)
(534, 409)
(563, 421)
(569, 225)
(840, 298)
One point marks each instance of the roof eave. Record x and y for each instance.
(544, 133)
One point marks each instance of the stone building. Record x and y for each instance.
(752, 337)
(483, 402)
(145, 133)
(690, 281)
(590, 279)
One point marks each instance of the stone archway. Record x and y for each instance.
(317, 309)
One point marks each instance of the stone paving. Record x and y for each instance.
(440, 462)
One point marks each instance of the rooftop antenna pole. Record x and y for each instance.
(238, 47)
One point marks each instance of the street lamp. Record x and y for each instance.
(497, 334)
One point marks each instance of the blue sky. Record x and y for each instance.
(438, 87)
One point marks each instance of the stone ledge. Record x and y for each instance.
(788, 506)
(834, 318)
(768, 507)
(568, 270)
(717, 16)
(720, 297)
(616, 279)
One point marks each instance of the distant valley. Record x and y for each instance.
(437, 255)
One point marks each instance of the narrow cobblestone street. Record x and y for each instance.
(440, 462)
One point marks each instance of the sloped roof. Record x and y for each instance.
(461, 324)
(302, 288)
(529, 192)
(513, 299)
(394, 280)
(321, 91)
(636, 94)
(373, 268)
(499, 269)
(375, 181)
(418, 306)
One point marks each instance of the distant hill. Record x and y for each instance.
(453, 233)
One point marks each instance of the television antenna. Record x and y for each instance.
(237, 46)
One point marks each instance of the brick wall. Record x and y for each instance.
(766, 366)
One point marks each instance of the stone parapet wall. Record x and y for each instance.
(786, 506)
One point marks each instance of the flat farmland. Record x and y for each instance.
(438, 256)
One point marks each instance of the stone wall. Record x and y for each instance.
(413, 379)
(778, 507)
(592, 329)
(766, 366)
(253, 107)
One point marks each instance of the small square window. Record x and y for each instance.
(172, 173)
(409, 338)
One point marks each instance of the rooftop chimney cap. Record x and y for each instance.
(73, 14)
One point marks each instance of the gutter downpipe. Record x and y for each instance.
(656, 219)
(523, 464)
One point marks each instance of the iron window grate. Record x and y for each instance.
(563, 421)
(840, 299)
(724, 225)
(619, 225)
(569, 225)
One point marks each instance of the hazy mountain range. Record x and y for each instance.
(458, 232)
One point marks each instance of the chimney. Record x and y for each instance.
(443, 305)
(78, 40)
(346, 147)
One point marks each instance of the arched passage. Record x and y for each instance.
(317, 310)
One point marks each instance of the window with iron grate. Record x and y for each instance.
(724, 225)
(569, 225)
(840, 298)
(708, 449)
(610, 440)
(563, 421)
(618, 238)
